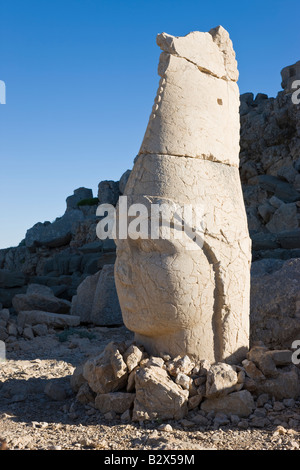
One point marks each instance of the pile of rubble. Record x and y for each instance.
(124, 381)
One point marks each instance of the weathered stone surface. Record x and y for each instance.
(10, 279)
(107, 372)
(289, 74)
(77, 379)
(132, 356)
(106, 308)
(180, 365)
(56, 320)
(159, 325)
(119, 402)
(40, 298)
(285, 385)
(82, 302)
(237, 403)
(275, 307)
(96, 300)
(222, 379)
(284, 219)
(55, 234)
(79, 195)
(85, 395)
(210, 118)
(108, 192)
(160, 281)
(157, 396)
(123, 181)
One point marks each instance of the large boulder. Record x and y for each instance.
(275, 303)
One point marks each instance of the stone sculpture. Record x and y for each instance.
(180, 296)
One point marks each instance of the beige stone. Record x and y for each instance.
(221, 380)
(190, 296)
(157, 396)
(237, 403)
(107, 372)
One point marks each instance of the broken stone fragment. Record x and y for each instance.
(252, 371)
(284, 385)
(157, 396)
(119, 402)
(180, 365)
(56, 320)
(222, 379)
(107, 372)
(85, 395)
(239, 403)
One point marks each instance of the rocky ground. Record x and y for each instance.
(39, 411)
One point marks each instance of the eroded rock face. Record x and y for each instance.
(168, 400)
(178, 298)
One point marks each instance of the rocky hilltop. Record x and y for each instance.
(71, 268)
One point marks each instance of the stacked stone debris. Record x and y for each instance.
(124, 381)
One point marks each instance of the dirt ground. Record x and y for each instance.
(38, 409)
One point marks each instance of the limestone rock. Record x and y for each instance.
(40, 298)
(157, 396)
(275, 320)
(239, 403)
(10, 279)
(132, 356)
(108, 192)
(79, 195)
(123, 181)
(85, 395)
(56, 320)
(119, 402)
(107, 372)
(55, 234)
(77, 379)
(180, 365)
(221, 380)
(96, 299)
(289, 74)
(106, 308)
(194, 64)
(82, 302)
(191, 146)
(285, 385)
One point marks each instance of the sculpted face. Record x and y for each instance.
(161, 285)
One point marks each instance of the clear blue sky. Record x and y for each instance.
(81, 76)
